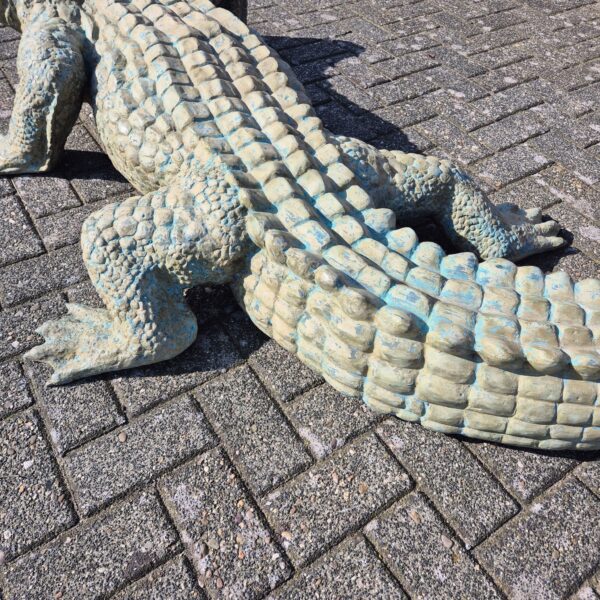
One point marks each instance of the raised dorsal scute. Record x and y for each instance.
(404, 241)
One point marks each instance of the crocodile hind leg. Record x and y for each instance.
(413, 186)
(51, 79)
(141, 255)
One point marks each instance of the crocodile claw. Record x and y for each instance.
(536, 235)
(80, 344)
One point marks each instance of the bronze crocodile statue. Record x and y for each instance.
(240, 183)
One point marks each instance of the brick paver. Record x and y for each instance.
(233, 471)
(110, 465)
(233, 551)
(422, 552)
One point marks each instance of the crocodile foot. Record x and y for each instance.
(534, 235)
(13, 162)
(84, 342)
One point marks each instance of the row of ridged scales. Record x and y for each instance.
(489, 350)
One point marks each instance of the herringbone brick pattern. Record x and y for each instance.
(235, 472)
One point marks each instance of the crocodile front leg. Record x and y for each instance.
(415, 186)
(141, 255)
(48, 99)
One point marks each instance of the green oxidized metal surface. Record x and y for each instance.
(241, 183)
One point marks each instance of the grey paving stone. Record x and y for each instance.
(211, 303)
(80, 140)
(109, 466)
(82, 153)
(84, 293)
(342, 121)
(407, 88)
(466, 66)
(9, 49)
(412, 111)
(45, 195)
(583, 234)
(99, 556)
(351, 571)
(8, 34)
(525, 473)
(319, 507)
(557, 147)
(457, 85)
(18, 324)
(501, 20)
(467, 116)
(531, 192)
(74, 412)
(172, 581)
(510, 75)
(7, 97)
(9, 68)
(315, 71)
(326, 419)
(550, 548)
(18, 238)
(424, 555)
(316, 94)
(502, 56)
(33, 503)
(464, 148)
(419, 24)
(263, 446)
(281, 372)
(589, 473)
(580, 133)
(471, 500)
(350, 94)
(487, 41)
(566, 186)
(246, 336)
(360, 72)
(26, 280)
(231, 548)
(64, 228)
(104, 182)
(142, 388)
(503, 104)
(310, 52)
(456, 30)
(585, 593)
(6, 187)
(571, 260)
(509, 165)
(586, 96)
(14, 393)
(511, 131)
(410, 140)
(408, 64)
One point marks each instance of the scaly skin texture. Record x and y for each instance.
(241, 183)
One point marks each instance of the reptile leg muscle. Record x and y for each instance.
(141, 255)
(415, 186)
(48, 99)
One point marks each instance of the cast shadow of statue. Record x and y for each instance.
(86, 164)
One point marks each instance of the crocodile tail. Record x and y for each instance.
(464, 395)
(489, 350)
(388, 355)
